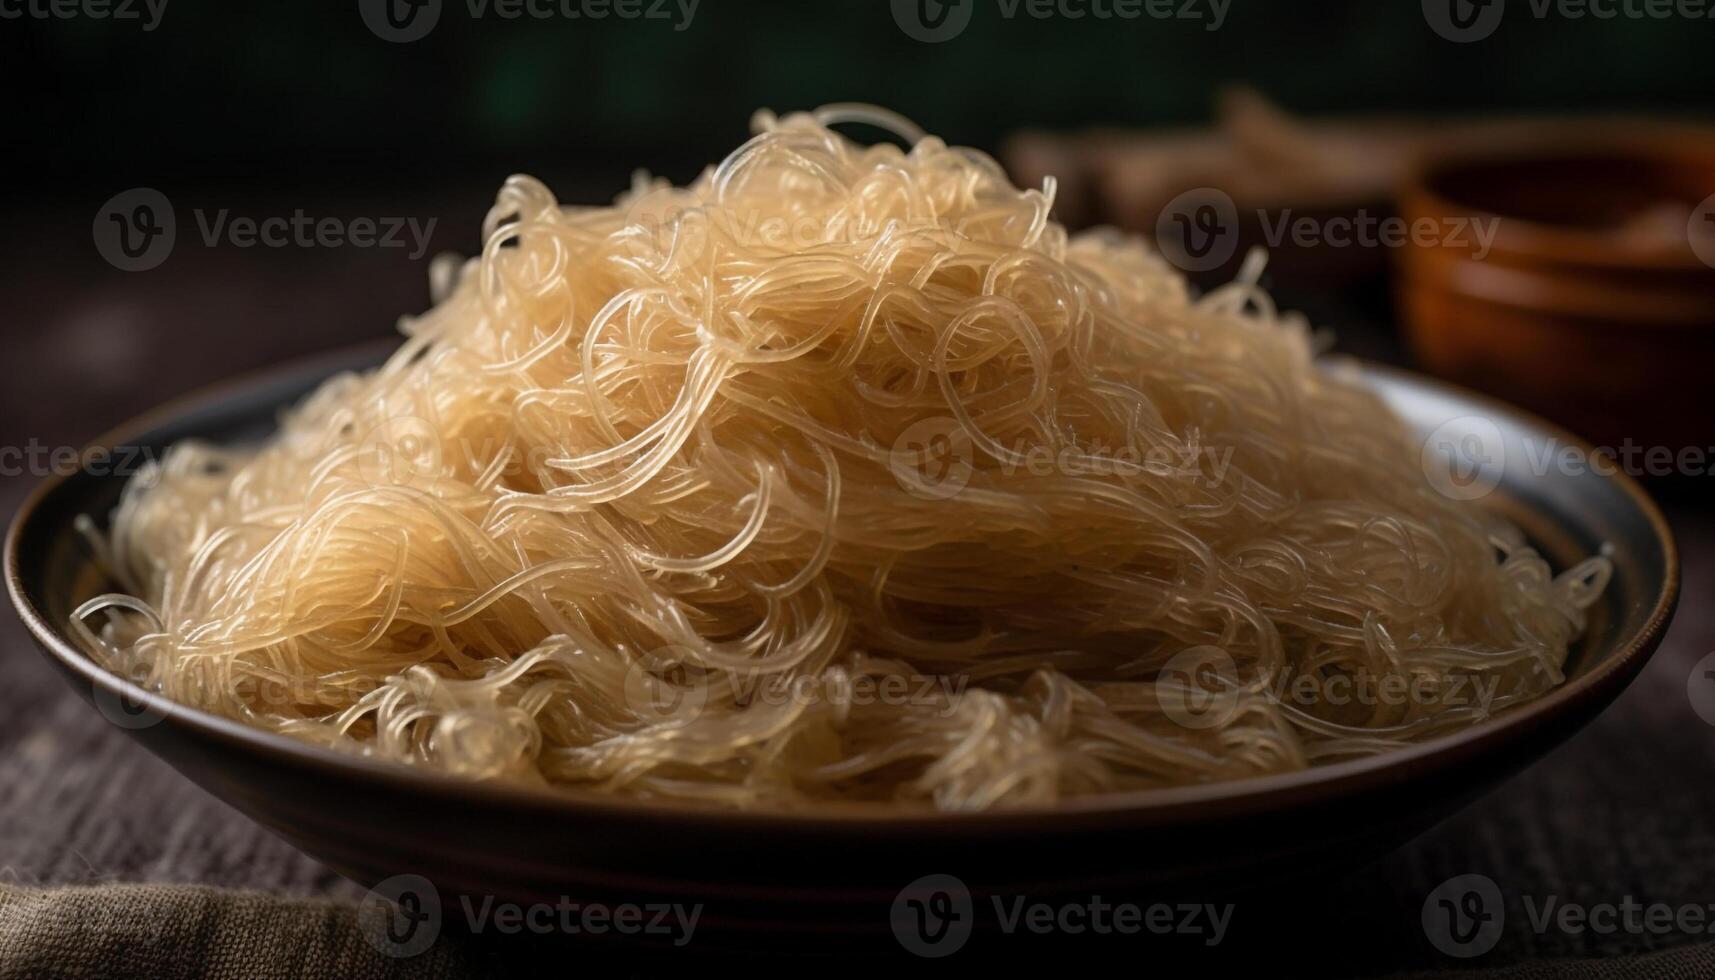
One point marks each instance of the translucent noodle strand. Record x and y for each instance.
(842, 474)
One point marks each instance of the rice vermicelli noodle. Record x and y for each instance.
(844, 473)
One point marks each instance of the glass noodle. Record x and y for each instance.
(843, 473)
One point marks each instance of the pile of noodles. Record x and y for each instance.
(843, 473)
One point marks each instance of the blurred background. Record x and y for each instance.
(309, 95)
(409, 115)
(260, 111)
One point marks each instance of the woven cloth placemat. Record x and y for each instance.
(187, 932)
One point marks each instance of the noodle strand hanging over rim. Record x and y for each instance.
(843, 473)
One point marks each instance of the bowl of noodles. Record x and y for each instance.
(831, 521)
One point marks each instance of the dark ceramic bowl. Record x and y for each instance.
(836, 872)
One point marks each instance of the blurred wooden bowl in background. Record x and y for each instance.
(1595, 304)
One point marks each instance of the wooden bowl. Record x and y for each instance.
(834, 873)
(1595, 305)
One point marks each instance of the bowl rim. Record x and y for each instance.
(1236, 797)
(1424, 193)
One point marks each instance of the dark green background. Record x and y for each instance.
(302, 91)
